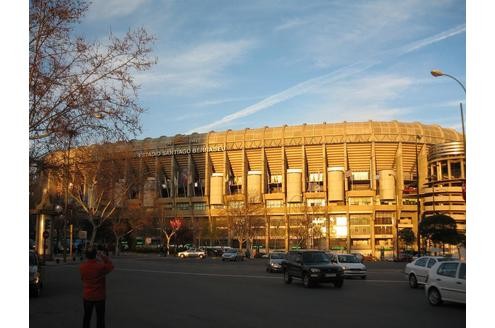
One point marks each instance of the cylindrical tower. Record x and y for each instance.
(387, 184)
(294, 185)
(254, 186)
(335, 183)
(216, 189)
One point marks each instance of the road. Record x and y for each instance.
(151, 291)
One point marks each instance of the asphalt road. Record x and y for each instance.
(150, 291)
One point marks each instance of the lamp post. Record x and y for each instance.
(439, 73)
(418, 204)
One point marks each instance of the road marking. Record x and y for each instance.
(201, 274)
(237, 275)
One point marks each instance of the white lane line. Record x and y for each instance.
(200, 274)
(236, 275)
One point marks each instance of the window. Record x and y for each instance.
(431, 262)
(360, 201)
(421, 262)
(462, 271)
(455, 170)
(183, 206)
(448, 269)
(360, 176)
(360, 220)
(383, 230)
(199, 206)
(274, 203)
(236, 204)
(383, 220)
(316, 202)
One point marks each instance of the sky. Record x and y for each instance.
(234, 65)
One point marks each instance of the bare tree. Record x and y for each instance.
(168, 227)
(126, 220)
(245, 219)
(94, 182)
(78, 85)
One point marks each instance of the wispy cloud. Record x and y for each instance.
(215, 102)
(195, 69)
(317, 82)
(433, 39)
(287, 94)
(291, 24)
(105, 9)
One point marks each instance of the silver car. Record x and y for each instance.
(275, 260)
(351, 264)
(417, 270)
(232, 254)
(192, 252)
(446, 281)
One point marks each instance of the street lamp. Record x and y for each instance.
(439, 73)
(418, 204)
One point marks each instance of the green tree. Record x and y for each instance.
(407, 236)
(441, 229)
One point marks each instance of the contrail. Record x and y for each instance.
(331, 77)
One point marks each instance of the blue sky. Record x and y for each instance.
(232, 64)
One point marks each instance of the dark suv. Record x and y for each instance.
(312, 267)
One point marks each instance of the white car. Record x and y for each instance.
(192, 252)
(275, 260)
(417, 270)
(232, 254)
(351, 264)
(446, 281)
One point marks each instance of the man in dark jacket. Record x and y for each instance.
(93, 273)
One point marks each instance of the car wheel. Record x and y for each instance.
(223, 260)
(287, 277)
(268, 270)
(413, 282)
(363, 277)
(434, 297)
(339, 283)
(306, 281)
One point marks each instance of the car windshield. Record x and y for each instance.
(231, 251)
(276, 256)
(316, 257)
(348, 259)
(444, 259)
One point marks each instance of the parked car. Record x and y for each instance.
(275, 260)
(351, 265)
(35, 274)
(417, 270)
(232, 254)
(192, 252)
(312, 267)
(446, 281)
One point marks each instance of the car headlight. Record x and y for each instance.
(314, 270)
(276, 265)
(344, 267)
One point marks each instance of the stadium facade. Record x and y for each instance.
(350, 186)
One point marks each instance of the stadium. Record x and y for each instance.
(349, 186)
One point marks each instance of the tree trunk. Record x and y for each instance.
(168, 244)
(93, 235)
(117, 240)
